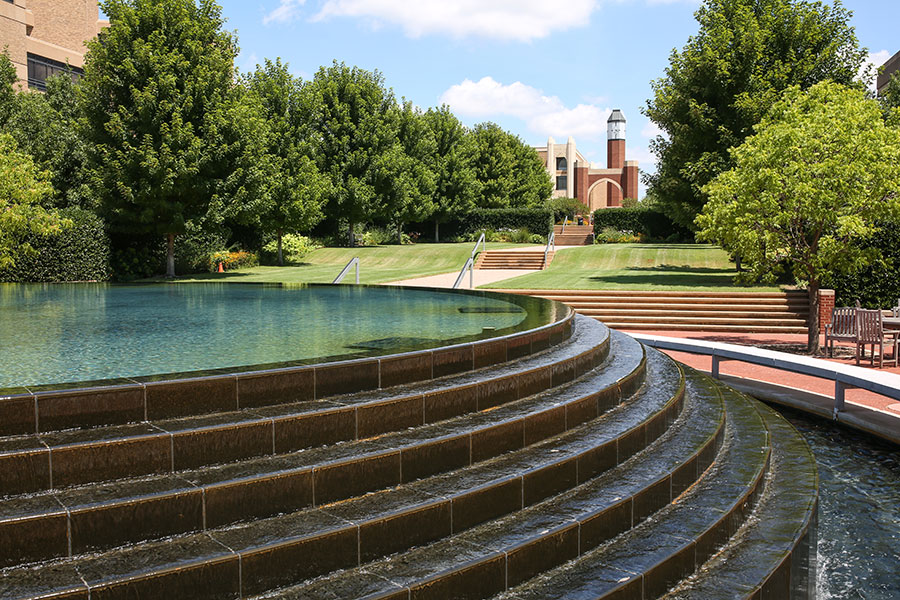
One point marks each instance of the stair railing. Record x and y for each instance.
(470, 264)
(350, 265)
(551, 243)
(566, 222)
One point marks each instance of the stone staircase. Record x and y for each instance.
(514, 259)
(567, 461)
(574, 235)
(734, 312)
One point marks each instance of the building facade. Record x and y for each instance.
(46, 37)
(891, 67)
(575, 177)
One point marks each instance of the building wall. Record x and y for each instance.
(890, 67)
(51, 29)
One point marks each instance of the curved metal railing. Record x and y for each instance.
(470, 264)
(350, 265)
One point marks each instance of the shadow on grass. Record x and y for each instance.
(681, 279)
(687, 269)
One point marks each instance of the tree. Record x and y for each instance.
(155, 91)
(890, 99)
(728, 75)
(404, 180)
(808, 189)
(455, 185)
(8, 79)
(353, 120)
(510, 174)
(22, 190)
(296, 190)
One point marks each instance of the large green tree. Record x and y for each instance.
(296, 190)
(23, 188)
(156, 91)
(353, 118)
(808, 189)
(728, 75)
(510, 173)
(455, 185)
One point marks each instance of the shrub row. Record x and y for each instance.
(875, 286)
(535, 220)
(80, 252)
(652, 224)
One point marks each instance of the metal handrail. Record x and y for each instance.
(551, 242)
(470, 265)
(483, 246)
(566, 222)
(350, 265)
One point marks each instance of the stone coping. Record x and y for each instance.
(221, 390)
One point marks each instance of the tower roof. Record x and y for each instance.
(616, 116)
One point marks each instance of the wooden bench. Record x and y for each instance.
(870, 331)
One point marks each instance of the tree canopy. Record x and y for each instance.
(509, 172)
(726, 77)
(807, 189)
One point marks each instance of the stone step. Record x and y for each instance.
(377, 523)
(86, 518)
(762, 560)
(637, 306)
(650, 559)
(712, 320)
(62, 459)
(748, 296)
(485, 559)
(706, 328)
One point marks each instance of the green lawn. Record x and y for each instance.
(634, 267)
(378, 264)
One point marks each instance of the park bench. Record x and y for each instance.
(870, 331)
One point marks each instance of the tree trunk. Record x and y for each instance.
(737, 263)
(812, 345)
(350, 237)
(399, 234)
(280, 256)
(170, 255)
(437, 237)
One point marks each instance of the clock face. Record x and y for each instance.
(616, 130)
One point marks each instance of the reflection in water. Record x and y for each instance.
(66, 333)
(859, 519)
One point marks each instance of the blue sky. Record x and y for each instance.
(536, 67)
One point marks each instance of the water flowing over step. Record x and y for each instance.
(736, 312)
(574, 235)
(587, 466)
(514, 259)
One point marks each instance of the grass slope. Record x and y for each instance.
(634, 267)
(378, 264)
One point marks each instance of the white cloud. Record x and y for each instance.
(874, 61)
(651, 130)
(287, 11)
(545, 115)
(519, 20)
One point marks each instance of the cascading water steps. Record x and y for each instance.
(589, 467)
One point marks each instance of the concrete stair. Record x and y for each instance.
(737, 312)
(512, 259)
(574, 235)
(567, 461)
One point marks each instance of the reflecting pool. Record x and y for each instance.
(859, 518)
(85, 332)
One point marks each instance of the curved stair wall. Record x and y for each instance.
(570, 462)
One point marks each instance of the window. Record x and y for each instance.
(40, 68)
(561, 164)
(561, 182)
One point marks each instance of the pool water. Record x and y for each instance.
(86, 332)
(859, 512)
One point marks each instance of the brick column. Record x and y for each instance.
(826, 306)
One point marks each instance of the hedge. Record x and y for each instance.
(535, 220)
(80, 252)
(875, 286)
(651, 223)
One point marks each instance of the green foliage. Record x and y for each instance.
(536, 220)
(509, 172)
(455, 184)
(8, 79)
(648, 222)
(512, 236)
(728, 75)
(875, 285)
(78, 252)
(155, 99)
(23, 188)
(890, 100)
(294, 247)
(353, 119)
(232, 260)
(808, 188)
(629, 202)
(611, 235)
(566, 207)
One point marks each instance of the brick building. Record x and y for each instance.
(575, 177)
(42, 37)
(891, 68)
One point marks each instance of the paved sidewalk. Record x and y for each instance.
(446, 280)
(759, 373)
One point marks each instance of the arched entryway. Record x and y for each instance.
(598, 195)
